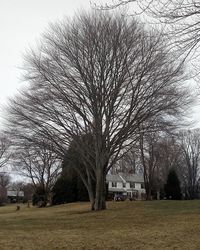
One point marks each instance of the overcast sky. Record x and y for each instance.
(21, 24)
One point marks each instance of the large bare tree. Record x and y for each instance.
(101, 75)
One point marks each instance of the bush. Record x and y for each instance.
(2, 201)
(39, 197)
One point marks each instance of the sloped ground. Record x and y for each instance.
(125, 225)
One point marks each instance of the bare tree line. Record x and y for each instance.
(158, 153)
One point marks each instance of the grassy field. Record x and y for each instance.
(125, 225)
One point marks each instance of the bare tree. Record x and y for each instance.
(170, 156)
(154, 155)
(160, 154)
(128, 163)
(4, 179)
(4, 150)
(149, 156)
(28, 189)
(4, 182)
(99, 74)
(180, 19)
(38, 163)
(17, 187)
(190, 146)
(112, 4)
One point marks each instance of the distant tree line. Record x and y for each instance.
(157, 154)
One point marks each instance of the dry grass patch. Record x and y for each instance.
(125, 225)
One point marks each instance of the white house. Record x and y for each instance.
(13, 193)
(127, 185)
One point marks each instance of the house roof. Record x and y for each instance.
(113, 178)
(132, 177)
(122, 177)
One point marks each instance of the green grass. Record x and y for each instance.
(124, 225)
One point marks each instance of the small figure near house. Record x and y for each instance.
(18, 208)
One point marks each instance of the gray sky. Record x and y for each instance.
(21, 24)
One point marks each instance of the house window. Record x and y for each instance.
(114, 184)
(132, 185)
(124, 185)
(142, 185)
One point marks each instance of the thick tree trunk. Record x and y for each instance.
(100, 194)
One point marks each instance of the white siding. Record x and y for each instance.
(138, 186)
(135, 189)
(119, 185)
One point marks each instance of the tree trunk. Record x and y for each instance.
(91, 191)
(148, 191)
(91, 197)
(191, 192)
(87, 181)
(149, 198)
(100, 197)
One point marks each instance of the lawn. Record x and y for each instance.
(124, 225)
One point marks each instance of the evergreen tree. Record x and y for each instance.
(65, 190)
(172, 188)
(69, 188)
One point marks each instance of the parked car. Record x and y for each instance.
(119, 197)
